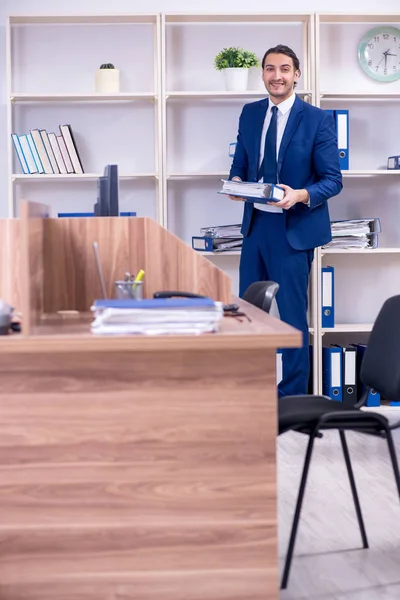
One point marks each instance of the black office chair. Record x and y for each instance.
(261, 294)
(310, 415)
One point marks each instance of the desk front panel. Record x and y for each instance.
(138, 475)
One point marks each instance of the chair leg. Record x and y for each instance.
(353, 489)
(296, 518)
(393, 456)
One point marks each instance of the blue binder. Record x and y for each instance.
(328, 297)
(332, 372)
(342, 131)
(374, 398)
(279, 366)
(203, 243)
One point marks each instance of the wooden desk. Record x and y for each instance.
(140, 468)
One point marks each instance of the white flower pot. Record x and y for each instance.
(107, 81)
(236, 79)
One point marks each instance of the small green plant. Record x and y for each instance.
(235, 58)
(107, 66)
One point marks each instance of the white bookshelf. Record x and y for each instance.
(364, 278)
(51, 64)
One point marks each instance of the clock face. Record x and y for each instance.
(379, 53)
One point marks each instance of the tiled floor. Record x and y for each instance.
(328, 563)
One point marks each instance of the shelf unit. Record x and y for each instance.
(180, 98)
(361, 284)
(51, 62)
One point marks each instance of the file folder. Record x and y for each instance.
(279, 366)
(332, 372)
(202, 243)
(373, 398)
(349, 374)
(342, 131)
(328, 295)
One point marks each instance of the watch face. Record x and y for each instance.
(379, 53)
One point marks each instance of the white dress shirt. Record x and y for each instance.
(283, 113)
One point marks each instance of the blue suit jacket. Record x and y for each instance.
(308, 158)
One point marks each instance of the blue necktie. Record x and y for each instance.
(268, 167)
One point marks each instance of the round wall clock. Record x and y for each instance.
(379, 53)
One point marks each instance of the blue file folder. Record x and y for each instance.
(342, 131)
(279, 366)
(332, 371)
(374, 398)
(328, 297)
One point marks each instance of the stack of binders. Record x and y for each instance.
(218, 238)
(355, 233)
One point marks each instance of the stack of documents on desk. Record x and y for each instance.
(355, 233)
(218, 238)
(156, 316)
(254, 192)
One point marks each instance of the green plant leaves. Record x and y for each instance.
(235, 57)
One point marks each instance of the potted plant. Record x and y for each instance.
(107, 79)
(235, 63)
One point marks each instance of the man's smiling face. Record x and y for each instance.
(279, 76)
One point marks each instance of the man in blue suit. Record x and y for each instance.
(286, 141)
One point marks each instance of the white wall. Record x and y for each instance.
(15, 7)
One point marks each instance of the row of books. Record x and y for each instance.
(42, 152)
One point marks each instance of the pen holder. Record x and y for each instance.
(129, 289)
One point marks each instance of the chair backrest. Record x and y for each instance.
(380, 368)
(261, 294)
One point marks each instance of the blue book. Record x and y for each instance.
(152, 303)
(20, 154)
(90, 214)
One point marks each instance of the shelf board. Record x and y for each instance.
(348, 327)
(237, 17)
(225, 94)
(124, 96)
(371, 172)
(326, 95)
(74, 176)
(72, 19)
(197, 175)
(364, 251)
(357, 18)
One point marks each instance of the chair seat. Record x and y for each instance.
(303, 412)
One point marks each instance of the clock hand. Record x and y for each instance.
(388, 54)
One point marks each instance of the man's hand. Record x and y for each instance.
(237, 198)
(291, 197)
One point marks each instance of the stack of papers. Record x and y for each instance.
(222, 231)
(355, 233)
(156, 316)
(261, 192)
